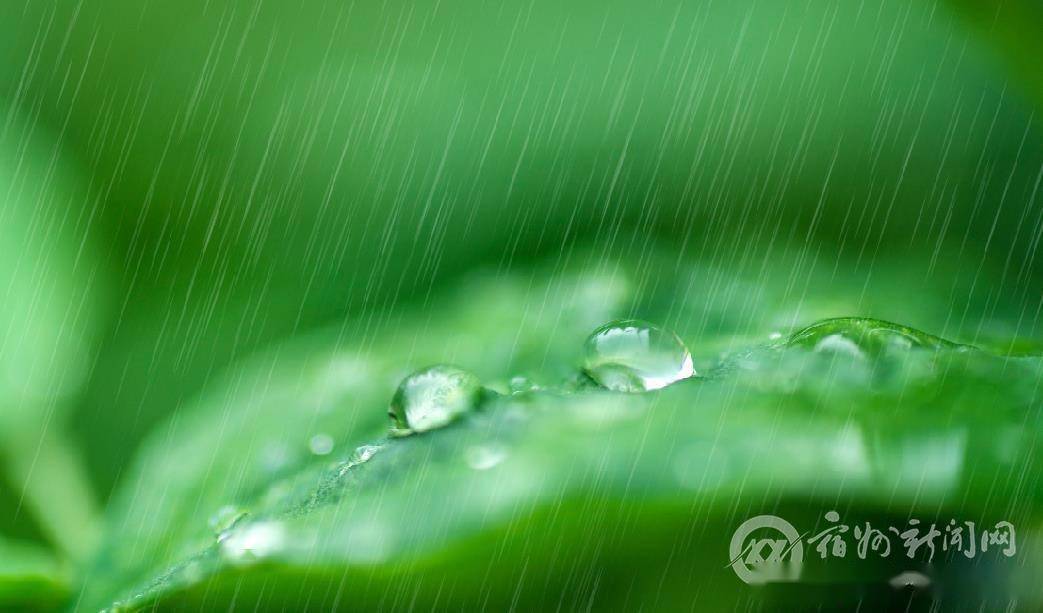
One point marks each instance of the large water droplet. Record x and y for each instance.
(636, 356)
(432, 398)
(864, 337)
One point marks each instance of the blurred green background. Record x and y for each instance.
(185, 183)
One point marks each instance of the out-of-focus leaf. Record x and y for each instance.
(48, 275)
(49, 318)
(589, 494)
(30, 578)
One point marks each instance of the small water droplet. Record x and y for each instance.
(432, 398)
(321, 444)
(636, 356)
(361, 456)
(225, 518)
(365, 452)
(253, 542)
(520, 385)
(484, 457)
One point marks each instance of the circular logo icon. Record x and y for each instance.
(766, 549)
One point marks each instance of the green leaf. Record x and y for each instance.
(563, 491)
(537, 471)
(48, 277)
(30, 578)
(50, 312)
(255, 428)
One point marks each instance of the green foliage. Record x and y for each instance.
(227, 501)
(50, 277)
(30, 579)
(54, 289)
(338, 383)
(358, 192)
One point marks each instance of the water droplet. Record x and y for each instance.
(432, 398)
(321, 444)
(839, 344)
(253, 542)
(636, 356)
(365, 452)
(361, 456)
(484, 457)
(863, 337)
(225, 518)
(520, 385)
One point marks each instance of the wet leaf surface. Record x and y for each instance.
(563, 489)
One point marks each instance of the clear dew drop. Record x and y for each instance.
(864, 337)
(253, 542)
(636, 356)
(432, 398)
(362, 455)
(520, 385)
(225, 518)
(839, 344)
